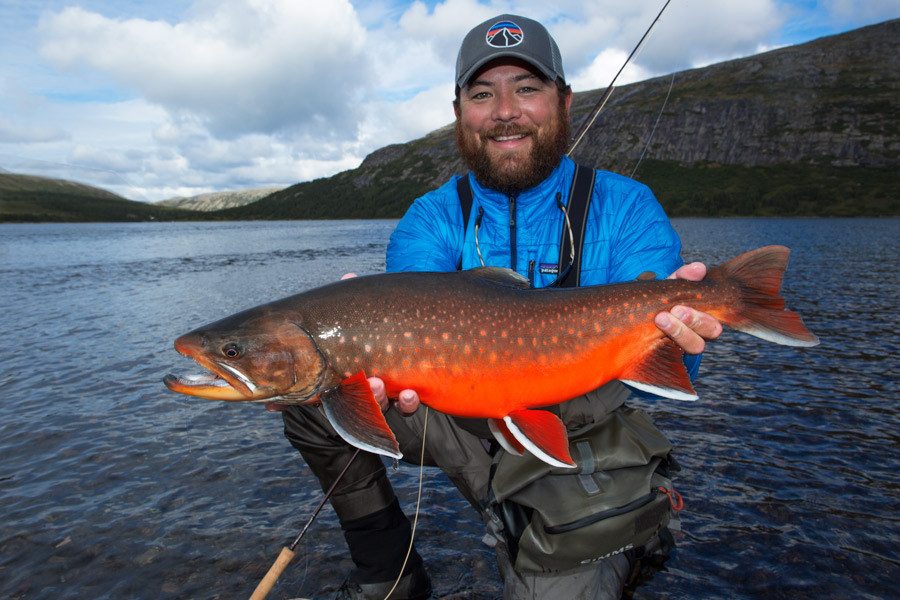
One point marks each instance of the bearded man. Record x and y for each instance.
(558, 533)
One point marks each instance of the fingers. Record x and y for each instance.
(694, 271)
(689, 328)
(378, 391)
(407, 402)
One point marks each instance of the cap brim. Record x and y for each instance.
(465, 77)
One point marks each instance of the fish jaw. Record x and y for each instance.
(207, 385)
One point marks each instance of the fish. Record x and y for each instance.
(479, 343)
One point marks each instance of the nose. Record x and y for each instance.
(506, 106)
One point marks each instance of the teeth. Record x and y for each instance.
(506, 138)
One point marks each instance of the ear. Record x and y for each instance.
(456, 109)
(568, 98)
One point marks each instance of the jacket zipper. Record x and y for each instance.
(512, 233)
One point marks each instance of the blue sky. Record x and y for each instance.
(153, 99)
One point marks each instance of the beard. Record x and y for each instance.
(513, 173)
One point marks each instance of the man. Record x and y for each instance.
(512, 129)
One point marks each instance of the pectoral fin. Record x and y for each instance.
(543, 434)
(356, 416)
(661, 372)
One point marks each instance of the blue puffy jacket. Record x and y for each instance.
(626, 233)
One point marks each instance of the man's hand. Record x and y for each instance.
(407, 402)
(689, 328)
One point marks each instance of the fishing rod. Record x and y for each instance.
(287, 553)
(592, 116)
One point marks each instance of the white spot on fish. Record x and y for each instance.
(329, 333)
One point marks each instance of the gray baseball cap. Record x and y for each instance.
(508, 35)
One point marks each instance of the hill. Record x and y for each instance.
(218, 200)
(27, 198)
(804, 130)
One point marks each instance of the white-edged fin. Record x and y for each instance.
(495, 426)
(778, 338)
(661, 372)
(660, 391)
(355, 441)
(244, 379)
(356, 416)
(532, 447)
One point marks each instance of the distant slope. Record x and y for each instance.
(218, 200)
(27, 198)
(812, 129)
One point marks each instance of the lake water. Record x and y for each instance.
(113, 487)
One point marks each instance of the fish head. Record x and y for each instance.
(254, 356)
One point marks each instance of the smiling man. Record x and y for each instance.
(524, 206)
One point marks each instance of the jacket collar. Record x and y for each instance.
(558, 180)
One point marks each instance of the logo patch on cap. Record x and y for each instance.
(504, 34)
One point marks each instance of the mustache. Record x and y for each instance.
(507, 130)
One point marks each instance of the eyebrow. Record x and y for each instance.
(516, 79)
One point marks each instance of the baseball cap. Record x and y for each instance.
(508, 35)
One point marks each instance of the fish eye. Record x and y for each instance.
(231, 350)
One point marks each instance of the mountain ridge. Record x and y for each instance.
(811, 129)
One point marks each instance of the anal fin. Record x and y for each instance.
(356, 416)
(505, 437)
(543, 434)
(661, 372)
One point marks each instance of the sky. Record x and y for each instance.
(154, 99)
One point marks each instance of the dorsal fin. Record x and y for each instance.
(501, 276)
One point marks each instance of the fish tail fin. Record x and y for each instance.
(760, 311)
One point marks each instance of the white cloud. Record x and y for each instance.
(247, 66)
(863, 11)
(16, 133)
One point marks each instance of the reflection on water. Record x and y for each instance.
(113, 487)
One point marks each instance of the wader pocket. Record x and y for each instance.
(559, 519)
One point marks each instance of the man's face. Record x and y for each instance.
(512, 125)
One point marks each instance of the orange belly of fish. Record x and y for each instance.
(491, 383)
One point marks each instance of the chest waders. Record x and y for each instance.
(620, 495)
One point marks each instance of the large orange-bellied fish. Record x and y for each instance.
(476, 343)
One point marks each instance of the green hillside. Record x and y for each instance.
(27, 198)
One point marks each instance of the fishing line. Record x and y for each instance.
(418, 504)
(658, 117)
(595, 112)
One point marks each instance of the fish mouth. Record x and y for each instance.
(221, 382)
(233, 386)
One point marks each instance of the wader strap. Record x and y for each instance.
(464, 189)
(579, 204)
